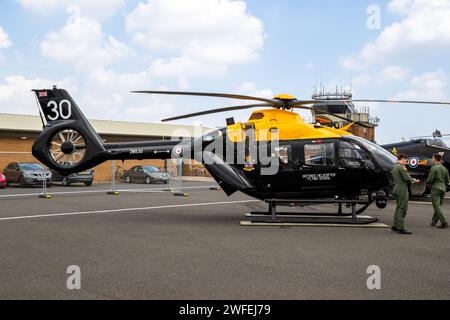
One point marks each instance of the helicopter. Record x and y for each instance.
(275, 156)
(420, 151)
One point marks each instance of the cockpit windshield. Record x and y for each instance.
(437, 143)
(384, 158)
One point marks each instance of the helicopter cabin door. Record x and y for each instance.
(280, 176)
(356, 169)
(318, 168)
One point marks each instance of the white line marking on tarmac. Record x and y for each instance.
(421, 202)
(125, 210)
(156, 190)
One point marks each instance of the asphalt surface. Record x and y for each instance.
(149, 244)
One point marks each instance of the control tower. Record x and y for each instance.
(343, 109)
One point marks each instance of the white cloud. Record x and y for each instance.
(98, 9)
(250, 88)
(424, 29)
(415, 119)
(400, 6)
(5, 42)
(362, 80)
(109, 93)
(82, 43)
(198, 34)
(16, 95)
(394, 74)
(173, 67)
(427, 86)
(107, 79)
(102, 95)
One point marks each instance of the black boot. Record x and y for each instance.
(443, 226)
(433, 224)
(393, 228)
(404, 231)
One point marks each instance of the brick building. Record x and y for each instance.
(18, 132)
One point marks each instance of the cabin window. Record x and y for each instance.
(257, 116)
(319, 154)
(284, 153)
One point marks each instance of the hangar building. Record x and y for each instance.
(18, 133)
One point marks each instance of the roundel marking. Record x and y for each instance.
(179, 151)
(414, 162)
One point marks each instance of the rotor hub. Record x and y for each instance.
(68, 147)
(284, 97)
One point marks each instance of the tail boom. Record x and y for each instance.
(69, 144)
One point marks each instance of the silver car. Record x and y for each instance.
(145, 174)
(27, 174)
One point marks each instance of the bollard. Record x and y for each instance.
(44, 194)
(178, 189)
(169, 184)
(113, 191)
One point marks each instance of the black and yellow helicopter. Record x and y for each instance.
(314, 163)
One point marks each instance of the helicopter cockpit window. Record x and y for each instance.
(283, 153)
(437, 143)
(319, 154)
(353, 156)
(348, 151)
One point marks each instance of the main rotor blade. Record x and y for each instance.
(273, 102)
(234, 108)
(306, 102)
(405, 101)
(298, 103)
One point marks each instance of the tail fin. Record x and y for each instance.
(68, 142)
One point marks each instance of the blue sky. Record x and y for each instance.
(100, 50)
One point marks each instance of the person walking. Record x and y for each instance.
(402, 181)
(438, 179)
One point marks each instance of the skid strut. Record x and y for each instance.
(273, 216)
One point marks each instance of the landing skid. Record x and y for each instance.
(339, 218)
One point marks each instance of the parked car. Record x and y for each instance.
(85, 177)
(27, 174)
(2, 181)
(145, 174)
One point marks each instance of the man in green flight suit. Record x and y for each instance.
(402, 181)
(438, 179)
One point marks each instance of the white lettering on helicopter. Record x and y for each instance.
(59, 112)
(319, 176)
(354, 164)
(136, 151)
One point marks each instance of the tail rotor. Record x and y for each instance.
(68, 148)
